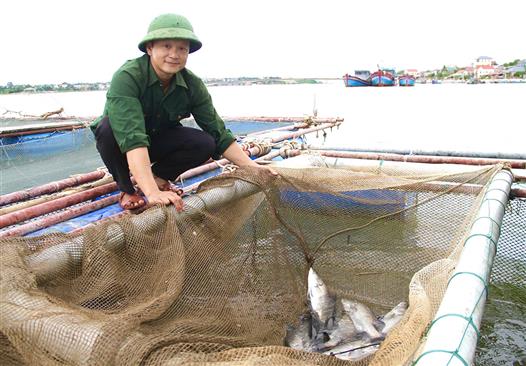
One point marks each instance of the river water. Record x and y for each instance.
(483, 118)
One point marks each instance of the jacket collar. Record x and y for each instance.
(153, 79)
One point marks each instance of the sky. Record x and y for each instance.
(56, 41)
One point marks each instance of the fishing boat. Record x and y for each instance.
(81, 274)
(360, 78)
(383, 77)
(406, 80)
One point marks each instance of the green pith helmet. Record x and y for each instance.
(170, 26)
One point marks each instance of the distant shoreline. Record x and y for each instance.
(243, 81)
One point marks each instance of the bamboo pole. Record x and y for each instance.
(285, 119)
(39, 209)
(305, 131)
(473, 154)
(59, 217)
(51, 187)
(430, 159)
(28, 129)
(54, 196)
(60, 203)
(254, 151)
(519, 174)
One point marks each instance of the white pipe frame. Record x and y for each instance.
(453, 334)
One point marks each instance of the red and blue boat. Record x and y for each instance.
(406, 80)
(360, 78)
(383, 77)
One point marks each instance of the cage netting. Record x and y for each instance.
(220, 285)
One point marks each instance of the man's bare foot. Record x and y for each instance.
(162, 184)
(165, 185)
(131, 201)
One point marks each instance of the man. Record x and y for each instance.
(140, 129)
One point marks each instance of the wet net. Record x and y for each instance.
(510, 262)
(35, 159)
(221, 282)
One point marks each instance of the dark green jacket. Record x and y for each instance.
(138, 109)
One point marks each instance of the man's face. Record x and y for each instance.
(168, 56)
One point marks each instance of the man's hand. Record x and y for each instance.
(165, 198)
(236, 155)
(267, 169)
(139, 163)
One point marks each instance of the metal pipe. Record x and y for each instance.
(51, 187)
(474, 154)
(453, 334)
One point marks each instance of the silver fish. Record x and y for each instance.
(393, 317)
(363, 318)
(354, 350)
(343, 331)
(322, 302)
(300, 337)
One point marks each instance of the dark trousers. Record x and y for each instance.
(173, 151)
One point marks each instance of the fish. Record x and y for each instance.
(343, 331)
(393, 317)
(300, 337)
(354, 350)
(322, 303)
(363, 318)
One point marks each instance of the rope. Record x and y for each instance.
(397, 212)
(486, 287)
(309, 121)
(453, 353)
(494, 199)
(287, 146)
(469, 319)
(484, 235)
(492, 221)
(264, 146)
(229, 168)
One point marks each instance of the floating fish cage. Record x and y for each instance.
(224, 280)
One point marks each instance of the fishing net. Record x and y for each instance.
(35, 159)
(221, 282)
(510, 261)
